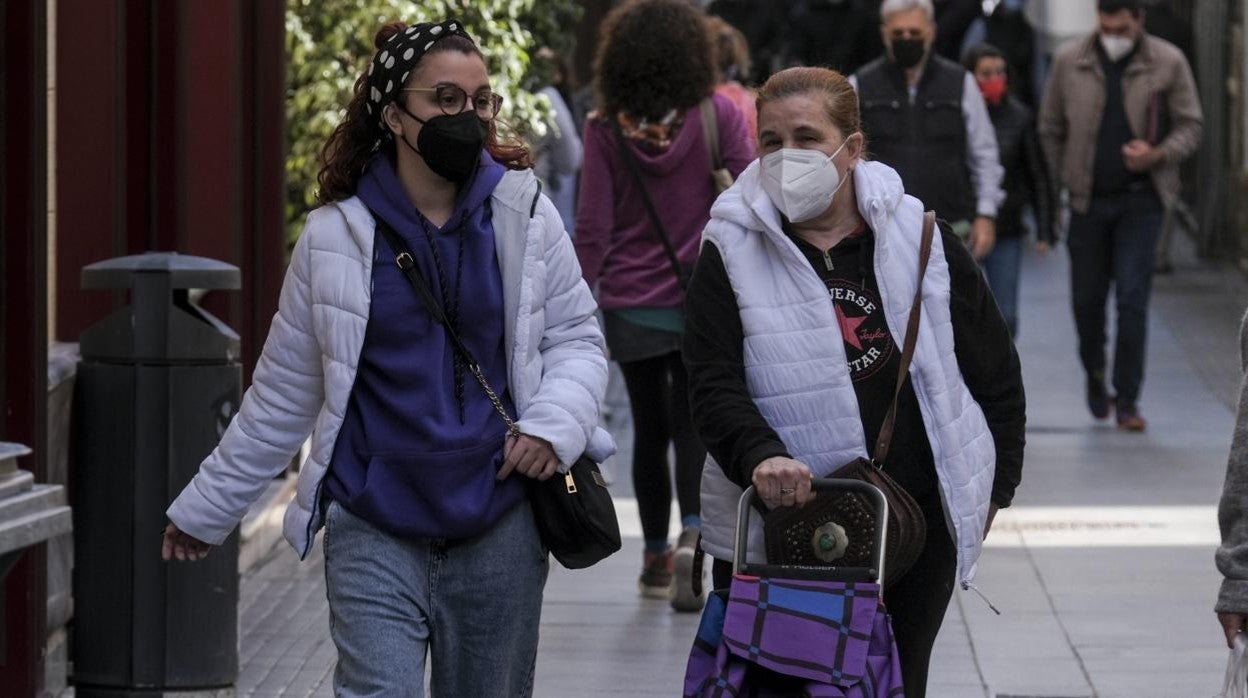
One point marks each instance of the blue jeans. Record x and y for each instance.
(1001, 267)
(472, 605)
(1114, 242)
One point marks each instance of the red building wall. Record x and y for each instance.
(23, 320)
(169, 129)
(170, 136)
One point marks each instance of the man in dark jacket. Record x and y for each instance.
(924, 117)
(954, 18)
(1027, 179)
(836, 34)
(1119, 115)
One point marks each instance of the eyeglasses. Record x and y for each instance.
(452, 100)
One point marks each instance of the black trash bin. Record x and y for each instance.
(158, 383)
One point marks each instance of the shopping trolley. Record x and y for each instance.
(800, 630)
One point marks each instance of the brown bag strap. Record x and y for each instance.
(710, 132)
(912, 337)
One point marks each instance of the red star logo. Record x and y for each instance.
(849, 328)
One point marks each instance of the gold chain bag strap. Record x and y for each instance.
(837, 529)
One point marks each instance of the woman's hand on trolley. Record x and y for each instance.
(529, 456)
(182, 546)
(783, 482)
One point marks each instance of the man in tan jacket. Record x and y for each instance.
(1119, 114)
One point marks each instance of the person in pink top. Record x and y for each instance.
(732, 57)
(647, 160)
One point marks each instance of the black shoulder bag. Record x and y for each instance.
(575, 515)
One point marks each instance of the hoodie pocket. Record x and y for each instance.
(434, 494)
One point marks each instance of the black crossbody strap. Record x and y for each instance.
(630, 161)
(403, 258)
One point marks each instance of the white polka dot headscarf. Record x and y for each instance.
(398, 56)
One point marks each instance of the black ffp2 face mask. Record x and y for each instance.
(907, 53)
(450, 144)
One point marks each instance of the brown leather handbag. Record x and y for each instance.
(838, 529)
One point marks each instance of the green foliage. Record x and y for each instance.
(329, 44)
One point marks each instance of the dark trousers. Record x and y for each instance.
(916, 603)
(658, 393)
(1114, 243)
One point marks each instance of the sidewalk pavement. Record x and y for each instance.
(1103, 568)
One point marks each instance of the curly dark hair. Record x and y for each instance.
(654, 56)
(350, 147)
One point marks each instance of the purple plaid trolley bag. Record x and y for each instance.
(797, 630)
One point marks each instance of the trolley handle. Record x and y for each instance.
(873, 494)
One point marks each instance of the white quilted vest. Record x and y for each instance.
(795, 363)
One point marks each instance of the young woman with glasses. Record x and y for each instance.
(430, 546)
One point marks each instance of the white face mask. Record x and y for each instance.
(801, 183)
(1116, 46)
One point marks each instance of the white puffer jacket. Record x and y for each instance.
(795, 365)
(557, 371)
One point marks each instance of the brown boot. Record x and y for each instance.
(656, 575)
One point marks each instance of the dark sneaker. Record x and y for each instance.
(686, 596)
(656, 575)
(1129, 419)
(1098, 399)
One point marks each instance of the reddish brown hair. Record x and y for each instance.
(840, 102)
(351, 146)
(731, 49)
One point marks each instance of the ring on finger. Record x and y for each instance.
(786, 491)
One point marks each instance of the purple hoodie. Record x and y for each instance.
(406, 460)
(617, 245)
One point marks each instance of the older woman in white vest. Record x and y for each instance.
(795, 319)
